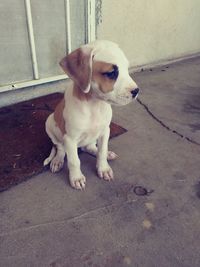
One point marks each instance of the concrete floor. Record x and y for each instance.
(44, 222)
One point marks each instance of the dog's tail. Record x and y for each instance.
(50, 157)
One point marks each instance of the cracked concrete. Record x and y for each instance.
(177, 88)
(44, 222)
(165, 126)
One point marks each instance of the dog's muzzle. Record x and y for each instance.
(135, 92)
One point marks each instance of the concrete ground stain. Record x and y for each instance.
(146, 224)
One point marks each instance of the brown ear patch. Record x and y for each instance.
(58, 116)
(105, 84)
(77, 65)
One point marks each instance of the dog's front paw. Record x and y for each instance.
(105, 172)
(78, 182)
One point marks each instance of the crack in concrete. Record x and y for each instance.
(166, 126)
(70, 219)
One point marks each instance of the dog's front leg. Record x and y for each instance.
(77, 179)
(103, 168)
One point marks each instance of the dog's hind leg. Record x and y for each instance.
(92, 150)
(50, 157)
(58, 160)
(57, 155)
(111, 155)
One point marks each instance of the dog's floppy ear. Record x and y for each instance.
(78, 66)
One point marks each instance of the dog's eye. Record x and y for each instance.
(112, 75)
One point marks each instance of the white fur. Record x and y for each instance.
(87, 122)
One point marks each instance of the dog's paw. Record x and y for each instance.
(56, 164)
(79, 182)
(111, 155)
(105, 172)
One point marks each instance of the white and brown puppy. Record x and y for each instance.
(99, 72)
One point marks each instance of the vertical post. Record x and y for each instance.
(91, 20)
(31, 39)
(68, 26)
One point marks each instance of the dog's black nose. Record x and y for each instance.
(135, 92)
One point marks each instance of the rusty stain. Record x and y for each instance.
(150, 206)
(146, 224)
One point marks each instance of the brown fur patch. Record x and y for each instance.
(105, 84)
(78, 93)
(58, 116)
(77, 66)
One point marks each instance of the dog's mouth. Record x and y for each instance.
(120, 101)
(117, 99)
(109, 101)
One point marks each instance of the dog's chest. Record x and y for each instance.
(96, 125)
(92, 129)
(93, 124)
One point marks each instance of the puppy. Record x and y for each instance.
(100, 78)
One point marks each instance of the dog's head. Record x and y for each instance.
(101, 68)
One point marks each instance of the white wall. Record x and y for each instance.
(150, 31)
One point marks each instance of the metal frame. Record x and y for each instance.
(31, 39)
(91, 35)
(91, 20)
(68, 26)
